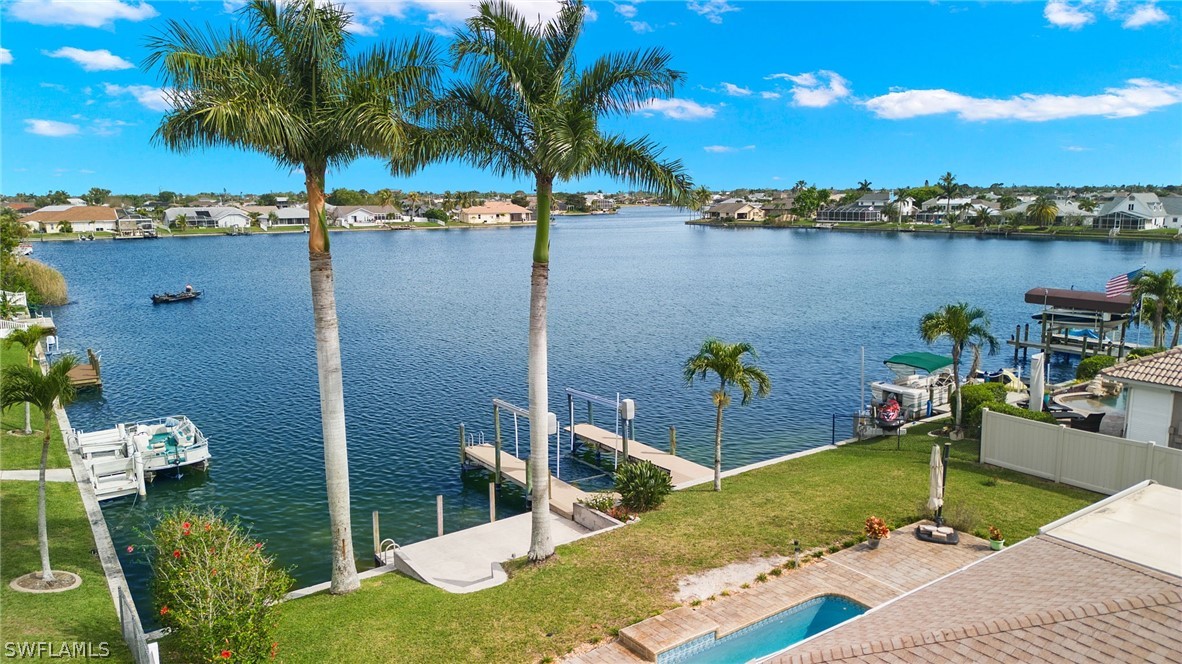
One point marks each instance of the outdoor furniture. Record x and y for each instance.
(1089, 423)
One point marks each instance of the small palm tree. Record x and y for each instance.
(1160, 292)
(948, 185)
(982, 217)
(1043, 211)
(181, 222)
(965, 327)
(254, 218)
(700, 200)
(526, 109)
(385, 197)
(800, 185)
(27, 384)
(864, 185)
(28, 339)
(412, 203)
(726, 362)
(273, 217)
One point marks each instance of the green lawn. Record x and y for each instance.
(83, 614)
(594, 587)
(19, 452)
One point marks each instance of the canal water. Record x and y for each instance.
(434, 326)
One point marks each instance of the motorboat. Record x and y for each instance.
(187, 294)
(23, 249)
(1007, 377)
(122, 460)
(922, 382)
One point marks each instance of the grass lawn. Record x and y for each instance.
(594, 587)
(19, 452)
(83, 614)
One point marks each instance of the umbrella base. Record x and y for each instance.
(936, 535)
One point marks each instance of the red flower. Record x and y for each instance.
(207, 526)
(185, 532)
(186, 525)
(130, 549)
(213, 573)
(274, 649)
(176, 553)
(163, 610)
(226, 654)
(258, 545)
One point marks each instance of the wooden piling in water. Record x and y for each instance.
(463, 459)
(673, 440)
(439, 514)
(377, 542)
(492, 501)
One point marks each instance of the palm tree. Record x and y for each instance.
(1162, 289)
(964, 326)
(1174, 315)
(27, 384)
(726, 362)
(800, 185)
(285, 85)
(254, 218)
(412, 203)
(948, 185)
(181, 222)
(701, 199)
(982, 217)
(526, 109)
(273, 217)
(385, 197)
(1043, 211)
(864, 185)
(28, 338)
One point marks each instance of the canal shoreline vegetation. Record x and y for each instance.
(528, 110)
(18, 451)
(960, 229)
(593, 588)
(328, 108)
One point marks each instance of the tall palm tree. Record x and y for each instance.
(1162, 291)
(864, 185)
(701, 198)
(726, 362)
(1043, 211)
(28, 339)
(412, 202)
(947, 184)
(1174, 315)
(385, 197)
(965, 327)
(800, 185)
(526, 109)
(284, 84)
(26, 383)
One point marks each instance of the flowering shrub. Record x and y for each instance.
(876, 528)
(215, 587)
(995, 534)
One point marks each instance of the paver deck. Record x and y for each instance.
(680, 470)
(563, 496)
(868, 576)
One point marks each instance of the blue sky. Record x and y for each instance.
(1035, 93)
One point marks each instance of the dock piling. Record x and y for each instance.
(377, 547)
(497, 441)
(673, 440)
(492, 500)
(439, 514)
(463, 459)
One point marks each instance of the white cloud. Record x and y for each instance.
(770, 95)
(100, 60)
(1138, 97)
(735, 90)
(50, 128)
(54, 86)
(712, 10)
(108, 127)
(815, 89)
(640, 27)
(85, 171)
(1146, 14)
(1076, 148)
(148, 96)
(625, 10)
(90, 13)
(1063, 14)
(5, 56)
(726, 148)
(677, 109)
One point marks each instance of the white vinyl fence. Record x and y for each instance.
(1093, 461)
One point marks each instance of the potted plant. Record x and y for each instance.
(996, 539)
(876, 530)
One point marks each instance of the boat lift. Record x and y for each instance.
(551, 430)
(624, 409)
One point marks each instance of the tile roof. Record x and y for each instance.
(1161, 369)
(495, 207)
(57, 214)
(730, 208)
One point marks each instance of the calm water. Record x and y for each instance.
(433, 326)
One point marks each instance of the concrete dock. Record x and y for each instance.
(563, 496)
(680, 470)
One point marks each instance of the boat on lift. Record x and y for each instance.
(1008, 377)
(922, 382)
(123, 459)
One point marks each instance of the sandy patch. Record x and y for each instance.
(731, 577)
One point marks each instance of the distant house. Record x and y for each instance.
(296, 215)
(263, 211)
(132, 224)
(208, 217)
(283, 202)
(870, 207)
(1131, 213)
(1153, 407)
(496, 212)
(1172, 205)
(20, 207)
(1067, 210)
(364, 215)
(81, 218)
(738, 211)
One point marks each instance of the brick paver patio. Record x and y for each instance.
(871, 577)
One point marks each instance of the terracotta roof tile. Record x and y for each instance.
(1160, 369)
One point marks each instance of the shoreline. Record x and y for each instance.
(72, 237)
(979, 233)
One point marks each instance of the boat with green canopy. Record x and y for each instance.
(922, 382)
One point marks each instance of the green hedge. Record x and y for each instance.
(1089, 367)
(977, 394)
(974, 418)
(1142, 352)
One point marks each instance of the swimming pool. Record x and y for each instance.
(767, 636)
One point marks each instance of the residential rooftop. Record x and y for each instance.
(1163, 369)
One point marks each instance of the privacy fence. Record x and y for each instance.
(1092, 461)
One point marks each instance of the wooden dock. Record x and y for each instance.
(87, 375)
(563, 496)
(680, 470)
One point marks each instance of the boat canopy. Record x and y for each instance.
(929, 362)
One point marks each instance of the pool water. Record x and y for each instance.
(772, 635)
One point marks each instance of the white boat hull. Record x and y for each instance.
(123, 459)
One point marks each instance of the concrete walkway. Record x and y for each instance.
(51, 475)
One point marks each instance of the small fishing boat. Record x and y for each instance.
(187, 294)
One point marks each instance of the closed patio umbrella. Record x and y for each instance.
(1037, 381)
(936, 485)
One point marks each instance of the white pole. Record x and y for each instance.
(557, 454)
(862, 384)
(516, 439)
(439, 514)
(616, 451)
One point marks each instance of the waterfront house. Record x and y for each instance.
(1133, 212)
(1067, 211)
(496, 212)
(868, 208)
(1172, 205)
(737, 211)
(208, 217)
(81, 219)
(363, 216)
(1153, 407)
(20, 207)
(296, 215)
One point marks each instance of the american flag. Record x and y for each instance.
(1121, 284)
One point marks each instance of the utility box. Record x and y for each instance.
(627, 409)
(551, 424)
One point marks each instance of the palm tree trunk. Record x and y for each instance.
(718, 449)
(1177, 329)
(1159, 325)
(42, 528)
(541, 545)
(28, 421)
(332, 399)
(956, 386)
